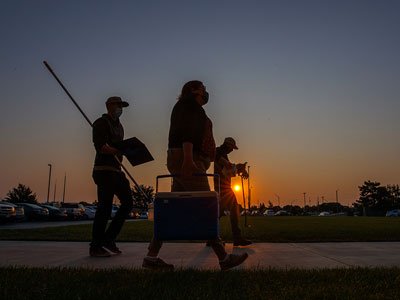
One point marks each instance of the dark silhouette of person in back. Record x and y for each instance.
(191, 148)
(226, 171)
(110, 180)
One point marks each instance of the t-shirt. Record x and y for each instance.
(208, 143)
(106, 131)
(190, 124)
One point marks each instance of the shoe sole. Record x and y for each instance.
(243, 258)
(118, 252)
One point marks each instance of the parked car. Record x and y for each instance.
(269, 213)
(34, 212)
(19, 211)
(324, 214)
(114, 210)
(144, 215)
(75, 211)
(90, 212)
(281, 213)
(134, 214)
(55, 213)
(393, 213)
(7, 212)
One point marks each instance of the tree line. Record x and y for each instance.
(374, 200)
(24, 194)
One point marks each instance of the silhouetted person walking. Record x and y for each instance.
(110, 180)
(191, 148)
(228, 201)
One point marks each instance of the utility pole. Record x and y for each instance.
(304, 196)
(55, 188)
(337, 201)
(65, 181)
(249, 188)
(48, 186)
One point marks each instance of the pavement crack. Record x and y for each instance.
(319, 254)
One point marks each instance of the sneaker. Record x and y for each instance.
(156, 264)
(232, 261)
(112, 247)
(96, 251)
(242, 242)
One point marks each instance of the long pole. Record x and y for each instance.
(244, 204)
(91, 124)
(48, 186)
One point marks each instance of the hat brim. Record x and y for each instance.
(124, 104)
(235, 147)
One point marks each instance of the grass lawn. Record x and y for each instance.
(358, 283)
(263, 229)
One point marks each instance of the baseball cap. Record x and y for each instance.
(118, 100)
(230, 142)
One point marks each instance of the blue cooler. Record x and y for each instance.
(186, 215)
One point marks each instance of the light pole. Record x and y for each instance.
(65, 181)
(249, 188)
(304, 196)
(55, 189)
(48, 186)
(337, 201)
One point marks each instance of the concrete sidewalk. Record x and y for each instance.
(197, 255)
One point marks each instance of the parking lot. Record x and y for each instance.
(44, 224)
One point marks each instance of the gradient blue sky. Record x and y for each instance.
(309, 89)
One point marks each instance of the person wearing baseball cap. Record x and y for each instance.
(116, 100)
(110, 180)
(230, 143)
(228, 201)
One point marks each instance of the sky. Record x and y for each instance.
(309, 89)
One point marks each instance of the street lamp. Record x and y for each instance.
(337, 201)
(48, 186)
(65, 180)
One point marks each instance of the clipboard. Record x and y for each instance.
(135, 151)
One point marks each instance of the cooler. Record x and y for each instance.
(186, 215)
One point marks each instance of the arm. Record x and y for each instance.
(225, 163)
(107, 149)
(241, 170)
(100, 138)
(188, 166)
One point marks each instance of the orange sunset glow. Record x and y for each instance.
(311, 112)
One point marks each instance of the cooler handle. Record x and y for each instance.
(195, 174)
